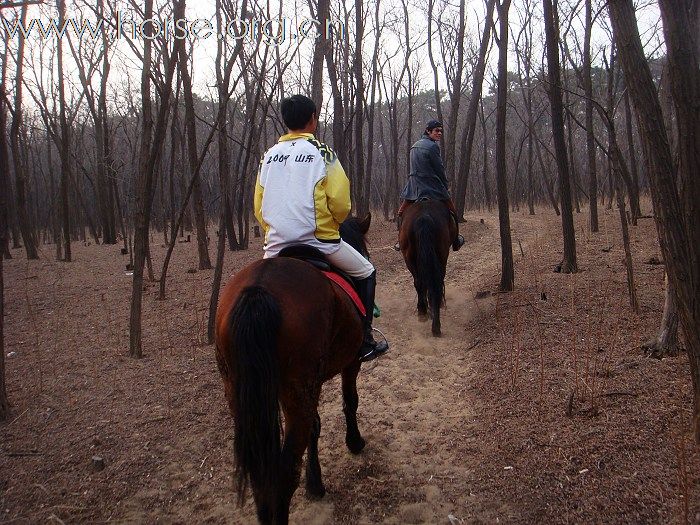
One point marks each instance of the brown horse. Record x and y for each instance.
(282, 330)
(425, 236)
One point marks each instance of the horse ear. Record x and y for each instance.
(364, 223)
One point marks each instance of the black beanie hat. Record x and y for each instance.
(432, 124)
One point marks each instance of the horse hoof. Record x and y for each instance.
(355, 445)
(315, 493)
(437, 333)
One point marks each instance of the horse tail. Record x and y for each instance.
(255, 323)
(430, 270)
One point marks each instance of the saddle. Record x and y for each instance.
(316, 258)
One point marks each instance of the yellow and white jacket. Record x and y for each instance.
(301, 194)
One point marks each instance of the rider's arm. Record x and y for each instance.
(337, 191)
(257, 200)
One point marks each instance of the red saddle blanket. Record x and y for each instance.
(348, 289)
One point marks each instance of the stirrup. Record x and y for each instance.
(370, 353)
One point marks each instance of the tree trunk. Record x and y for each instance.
(467, 142)
(339, 143)
(572, 164)
(631, 289)
(681, 21)
(20, 169)
(677, 218)
(66, 166)
(110, 236)
(507, 270)
(634, 194)
(549, 185)
(590, 139)
(152, 137)
(223, 78)
(4, 170)
(485, 159)
(55, 223)
(358, 118)
(455, 100)
(216, 284)
(665, 344)
(568, 264)
(320, 51)
(367, 195)
(191, 128)
(431, 58)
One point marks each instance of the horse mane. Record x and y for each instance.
(351, 232)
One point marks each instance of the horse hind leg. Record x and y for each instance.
(422, 305)
(435, 303)
(436, 328)
(353, 439)
(297, 433)
(314, 483)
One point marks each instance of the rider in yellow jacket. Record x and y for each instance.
(302, 194)
(306, 193)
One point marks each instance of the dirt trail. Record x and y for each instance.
(416, 407)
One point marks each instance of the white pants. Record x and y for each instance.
(351, 261)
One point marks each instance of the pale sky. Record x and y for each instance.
(200, 18)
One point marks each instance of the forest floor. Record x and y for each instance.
(535, 406)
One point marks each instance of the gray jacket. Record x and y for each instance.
(427, 173)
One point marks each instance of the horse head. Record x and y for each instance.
(353, 231)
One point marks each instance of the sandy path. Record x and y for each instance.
(415, 405)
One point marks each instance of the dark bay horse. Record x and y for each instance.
(282, 330)
(425, 237)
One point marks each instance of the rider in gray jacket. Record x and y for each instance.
(426, 179)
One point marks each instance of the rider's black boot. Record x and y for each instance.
(370, 348)
(458, 241)
(399, 220)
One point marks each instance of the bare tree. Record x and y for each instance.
(321, 49)
(619, 173)
(590, 143)
(568, 264)
(455, 99)
(507, 270)
(17, 159)
(666, 342)
(360, 174)
(634, 194)
(65, 151)
(192, 155)
(431, 57)
(467, 141)
(97, 106)
(152, 137)
(372, 109)
(224, 66)
(4, 182)
(677, 214)
(524, 56)
(4, 158)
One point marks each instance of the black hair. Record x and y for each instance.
(297, 111)
(432, 124)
